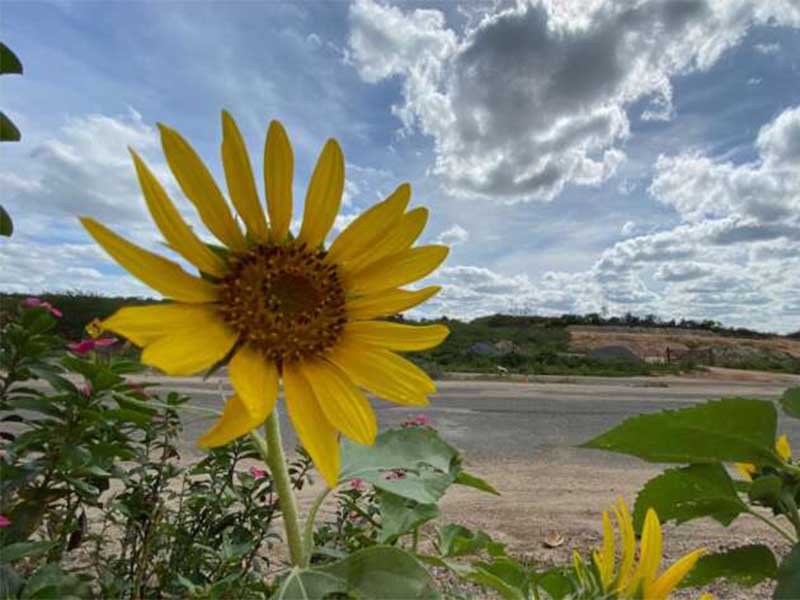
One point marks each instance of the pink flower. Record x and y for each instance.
(104, 342)
(257, 473)
(82, 347)
(135, 388)
(85, 388)
(4, 521)
(358, 484)
(38, 302)
(418, 421)
(394, 475)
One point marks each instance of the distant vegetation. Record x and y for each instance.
(492, 344)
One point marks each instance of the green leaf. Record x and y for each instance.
(766, 490)
(789, 576)
(456, 540)
(10, 582)
(475, 482)
(506, 576)
(8, 131)
(690, 493)
(729, 430)
(429, 463)
(556, 583)
(400, 515)
(505, 589)
(790, 402)
(372, 572)
(746, 566)
(6, 224)
(19, 550)
(9, 63)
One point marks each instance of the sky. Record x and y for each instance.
(598, 156)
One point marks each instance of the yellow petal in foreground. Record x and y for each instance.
(164, 276)
(370, 227)
(397, 239)
(200, 188)
(344, 405)
(383, 373)
(189, 352)
(278, 176)
(397, 336)
(396, 270)
(176, 232)
(316, 434)
(323, 196)
(239, 175)
(747, 470)
(388, 303)
(605, 559)
(145, 324)
(651, 549)
(235, 422)
(627, 543)
(783, 448)
(255, 380)
(670, 579)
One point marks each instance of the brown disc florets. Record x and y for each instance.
(285, 300)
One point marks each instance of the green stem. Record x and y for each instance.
(274, 457)
(415, 540)
(774, 526)
(308, 532)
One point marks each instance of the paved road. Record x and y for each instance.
(492, 421)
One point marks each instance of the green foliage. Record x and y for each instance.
(746, 566)
(699, 490)
(789, 576)
(790, 402)
(9, 63)
(732, 429)
(6, 224)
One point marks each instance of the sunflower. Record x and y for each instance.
(276, 306)
(782, 447)
(630, 580)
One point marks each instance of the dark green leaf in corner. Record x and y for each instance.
(475, 482)
(690, 493)
(9, 63)
(6, 225)
(745, 566)
(790, 402)
(729, 430)
(8, 131)
(789, 576)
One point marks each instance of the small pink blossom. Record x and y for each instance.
(358, 484)
(394, 475)
(418, 421)
(257, 473)
(137, 389)
(85, 388)
(82, 347)
(104, 342)
(4, 521)
(32, 302)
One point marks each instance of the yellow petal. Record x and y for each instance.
(387, 303)
(783, 448)
(176, 232)
(278, 176)
(383, 373)
(145, 324)
(323, 196)
(316, 434)
(397, 336)
(399, 238)
(235, 422)
(627, 539)
(747, 470)
(650, 551)
(239, 175)
(608, 553)
(191, 351)
(344, 405)
(200, 188)
(669, 580)
(164, 276)
(370, 226)
(396, 270)
(255, 380)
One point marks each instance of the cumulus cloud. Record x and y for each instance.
(537, 96)
(453, 236)
(772, 48)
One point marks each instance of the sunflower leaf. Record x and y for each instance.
(789, 576)
(790, 402)
(745, 565)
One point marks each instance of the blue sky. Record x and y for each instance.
(630, 156)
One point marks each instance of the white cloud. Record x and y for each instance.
(453, 236)
(628, 229)
(536, 96)
(772, 48)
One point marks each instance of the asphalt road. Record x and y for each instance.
(491, 421)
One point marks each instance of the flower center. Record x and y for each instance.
(285, 300)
